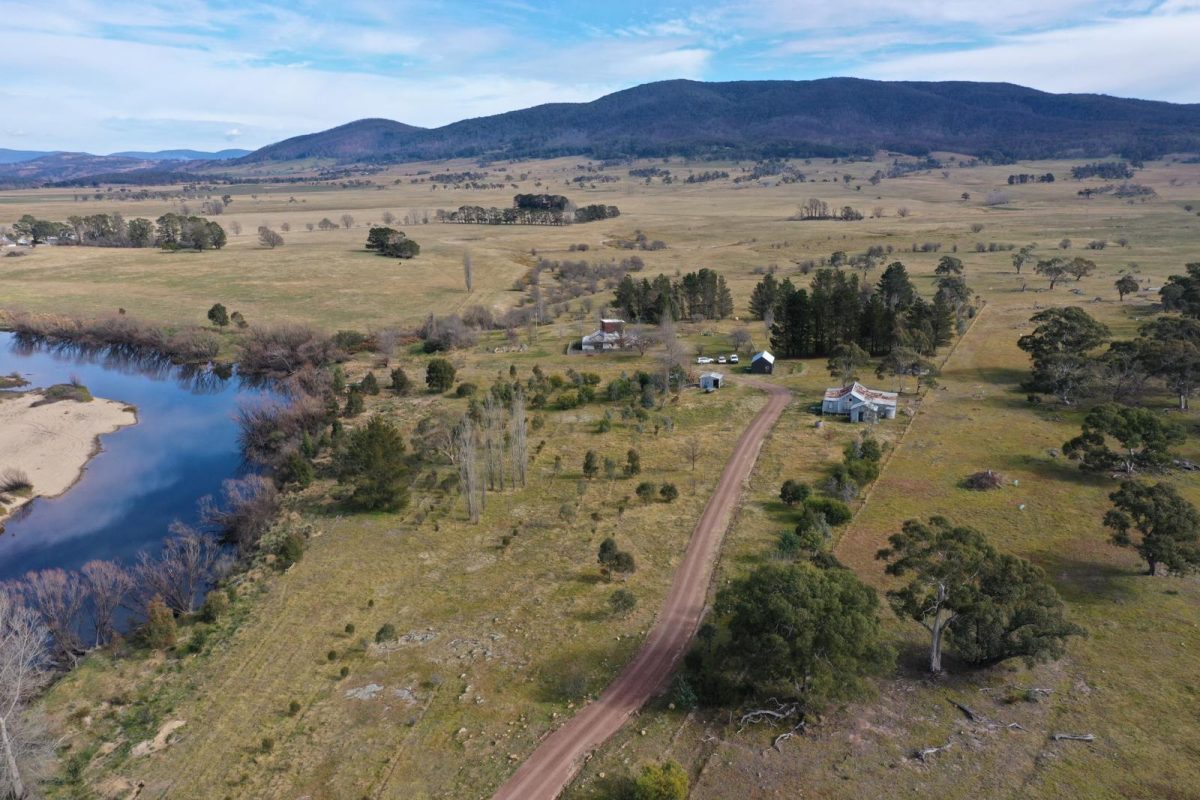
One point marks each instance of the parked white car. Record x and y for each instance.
(720, 359)
(733, 359)
(704, 360)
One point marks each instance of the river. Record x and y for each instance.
(146, 476)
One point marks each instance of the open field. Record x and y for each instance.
(509, 639)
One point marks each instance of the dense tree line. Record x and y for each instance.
(837, 310)
(815, 208)
(1014, 180)
(178, 232)
(697, 295)
(1109, 170)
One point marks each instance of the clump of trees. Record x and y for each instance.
(838, 311)
(697, 295)
(179, 232)
(815, 209)
(1141, 437)
(1108, 170)
(392, 243)
(797, 633)
(987, 606)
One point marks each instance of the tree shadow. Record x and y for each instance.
(1087, 582)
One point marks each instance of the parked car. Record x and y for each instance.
(733, 359)
(704, 360)
(720, 359)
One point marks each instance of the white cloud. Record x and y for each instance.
(1154, 56)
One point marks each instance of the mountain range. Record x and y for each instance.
(740, 119)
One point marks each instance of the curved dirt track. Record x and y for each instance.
(552, 765)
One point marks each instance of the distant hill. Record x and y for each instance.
(353, 141)
(184, 155)
(828, 117)
(15, 156)
(68, 166)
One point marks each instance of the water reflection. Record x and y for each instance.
(183, 447)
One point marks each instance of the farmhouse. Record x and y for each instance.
(710, 381)
(611, 336)
(859, 403)
(762, 363)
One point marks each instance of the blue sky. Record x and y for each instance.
(105, 75)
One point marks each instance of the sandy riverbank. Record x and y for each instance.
(52, 443)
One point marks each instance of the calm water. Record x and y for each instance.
(183, 446)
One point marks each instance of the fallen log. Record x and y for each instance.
(1074, 737)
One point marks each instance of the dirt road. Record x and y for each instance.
(557, 758)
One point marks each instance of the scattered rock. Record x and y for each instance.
(368, 692)
(160, 741)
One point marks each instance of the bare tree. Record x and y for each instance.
(347, 221)
(268, 237)
(235, 227)
(692, 450)
(59, 597)
(182, 570)
(468, 277)
(24, 747)
(518, 438)
(493, 442)
(902, 211)
(109, 585)
(470, 485)
(388, 218)
(741, 340)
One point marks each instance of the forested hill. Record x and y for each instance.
(833, 116)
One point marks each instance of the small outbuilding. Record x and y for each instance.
(859, 403)
(711, 381)
(762, 363)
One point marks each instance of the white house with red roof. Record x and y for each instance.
(859, 403)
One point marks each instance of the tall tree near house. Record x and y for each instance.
(24, 669)
(845, 362)
(1059, 346)
(1126, 284)
(468, 276)
(1167, 526)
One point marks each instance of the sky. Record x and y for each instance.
(109, 75)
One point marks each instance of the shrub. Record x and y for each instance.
(793, 492)
(15, 481)
(591, 464)
(666, 781)
(354, 402)
(369, 384)
(331, 655)
(293, 708)
(668, 492)
(386, 633)
(248, 510)
(296, 470)
(374, 464)
(400, 382)
(439, 375)
(349, 628)
(218, 316)
(836, 512)
(352, 341)
(344, 671)
(645, 491)
(160, 631)
(633, 463)
(465, 390)
(216, 603)
(267, 744)
(622, 601)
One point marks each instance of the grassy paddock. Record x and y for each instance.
(521, 634)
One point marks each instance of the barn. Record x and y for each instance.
(762, 363)
(710, 381)
(859, 403)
